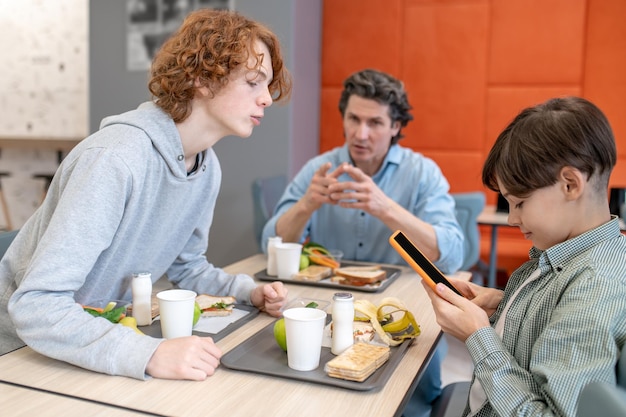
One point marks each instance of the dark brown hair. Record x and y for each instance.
(383, 88)
(208, 46)
(530, 152)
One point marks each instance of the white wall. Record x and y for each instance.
(288, 136)
(43, 94)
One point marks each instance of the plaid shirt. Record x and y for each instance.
(562, 331)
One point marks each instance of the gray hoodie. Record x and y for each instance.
(121, 202)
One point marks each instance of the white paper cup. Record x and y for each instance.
(287, 259)
(304, 328)
(176, 311)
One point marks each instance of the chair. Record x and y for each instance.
(265, 194)
(4, 207)
(452, 400)
(602, 399)
(5, 241)
(468, 207)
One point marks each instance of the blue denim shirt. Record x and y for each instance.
(410, 179)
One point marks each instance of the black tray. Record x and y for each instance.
(260, 354)
(392, 274)
(154, 329)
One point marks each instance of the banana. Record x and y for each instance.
(392, 333)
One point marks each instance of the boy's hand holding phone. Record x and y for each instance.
(420, 263)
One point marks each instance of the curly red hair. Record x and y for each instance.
(208, 46)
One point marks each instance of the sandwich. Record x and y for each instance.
(357, 362)
(215, 306)
(363, 331)
(313, 273)
(359, 275)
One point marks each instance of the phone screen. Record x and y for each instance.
(418, 261)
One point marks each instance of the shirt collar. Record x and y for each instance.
(559, 255)
(393, 158)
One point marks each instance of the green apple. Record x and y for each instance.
(196, 313)
(280, 335)
(304, 261)
(279, 329)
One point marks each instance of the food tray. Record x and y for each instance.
(154, 329)
(260, 354)
(392, 274)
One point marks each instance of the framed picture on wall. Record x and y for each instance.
(151, 22)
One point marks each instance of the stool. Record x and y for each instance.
(3, 203)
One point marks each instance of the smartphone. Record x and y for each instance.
(420, 263)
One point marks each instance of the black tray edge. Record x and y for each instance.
(392, 274)
(377, 380)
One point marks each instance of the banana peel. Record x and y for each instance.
(392, 331)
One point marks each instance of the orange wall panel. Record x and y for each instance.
(460, 165)
(444, 62)
(618, 177)
(537, 41)
(358, 35)
(331, 126)
(605, 65)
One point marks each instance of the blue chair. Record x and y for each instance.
(5, 241)
(452, 400)
(265, 195)
(599, 399)
(468, 207)
(603, 399)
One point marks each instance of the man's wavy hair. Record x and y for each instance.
(208, 47)
(384, 89)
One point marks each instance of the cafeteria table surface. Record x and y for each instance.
(233, 392)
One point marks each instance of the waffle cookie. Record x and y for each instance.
(357, 362)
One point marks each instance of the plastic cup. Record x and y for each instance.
(304, 328)
(287, 259)
(176, 311)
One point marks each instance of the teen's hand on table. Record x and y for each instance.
(269, 298)
(456, 315)
(362, 193)
(192, 357)
(487, 298)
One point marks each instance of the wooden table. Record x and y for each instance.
(231, 392)
(22, 401)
